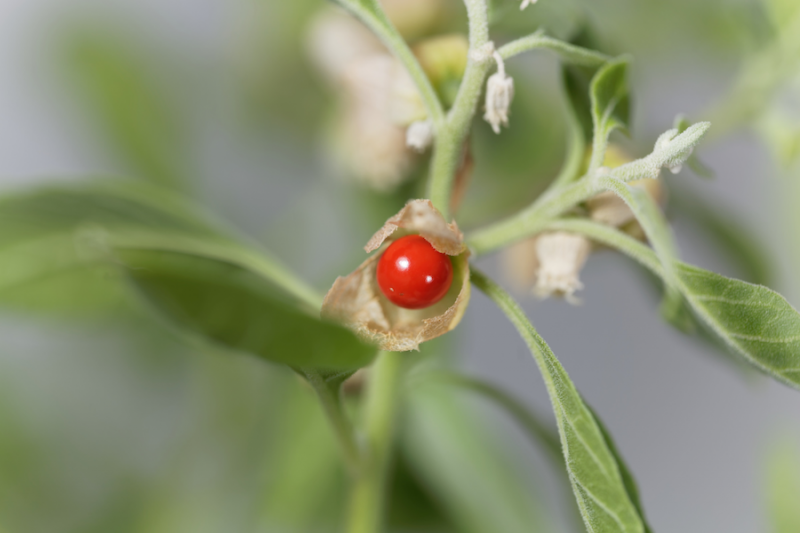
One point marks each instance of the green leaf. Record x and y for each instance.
(610, 106)
(236, 308)
(208, 284)
(48, 242)
(304, 477)
(121, 91)
(754, 321)
(783, 487)
(463, 466)
(627, 476)
(697, 166)
(596, 476)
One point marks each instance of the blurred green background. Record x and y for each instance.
(109, 423)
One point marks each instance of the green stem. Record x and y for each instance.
(533, 219)
(329, 393)
(368, 496)
(613, 238)
(451, 135)
(568, 52)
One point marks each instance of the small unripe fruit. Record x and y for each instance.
(412, 274)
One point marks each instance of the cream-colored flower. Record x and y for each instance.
(378, 100)
(419, 135)
(526, 3)
(357, 302)
(560, 256)
(499, 93)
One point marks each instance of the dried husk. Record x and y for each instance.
(356, 300)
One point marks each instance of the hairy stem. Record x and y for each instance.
(451, 136)
(613, 238)
(568, 52)
(368, 496)
(533, 219)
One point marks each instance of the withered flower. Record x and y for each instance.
(356, 300)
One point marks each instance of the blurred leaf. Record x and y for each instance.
(783, 487)
(610, 103)
(461, 464)
(48, 241)
(217, 288)
(412, 507)
(237, 308)
(119, 88)
(303, 475)
(754, 321)
(596, 476)
(577, 82)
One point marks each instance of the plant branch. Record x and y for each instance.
(568, 52)
(670, 150)
(451, 135)
(612, 237)
(368, 496)
(329, 393)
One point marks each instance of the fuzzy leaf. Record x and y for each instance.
(697, 166)
(122, 94)
(754, 321)
(671, 150)
(610, 97)
(596, 476)
(610, 106)
(627, 476)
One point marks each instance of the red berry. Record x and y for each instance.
(412, 274)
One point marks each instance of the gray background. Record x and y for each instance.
(695, 432)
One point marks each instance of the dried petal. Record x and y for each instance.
(419, 216)
(357, 301)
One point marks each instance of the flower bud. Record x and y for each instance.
(499, 93)
(419, 135)
(526, 3)
(444, 60)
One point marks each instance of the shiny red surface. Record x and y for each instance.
(412, 274)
